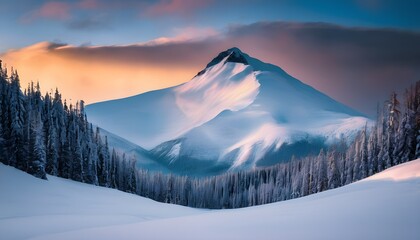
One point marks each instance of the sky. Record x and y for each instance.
(355, 51)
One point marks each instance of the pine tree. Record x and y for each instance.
(416, 108)
(322, 172)
(373, 152)
(38, 158)
(333, 174)
(418, 145)
(405, 146)
(357, 158)
(393, 123)
(77, 168)
(16, 124)
(349, 166)
(52, 151)
(364, 166)
(93, 157)
(103, 160)
(3, 150)
(113, 169)
(132, 181)
(382, 126)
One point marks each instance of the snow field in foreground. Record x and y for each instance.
(384, 206)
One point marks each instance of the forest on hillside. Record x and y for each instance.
(42, 134)
(394, 139)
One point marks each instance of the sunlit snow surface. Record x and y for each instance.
(384, 206)
(227, 86)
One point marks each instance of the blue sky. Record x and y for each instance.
(105, 22)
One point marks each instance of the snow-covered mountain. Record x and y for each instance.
(383, 206)
(238, 112)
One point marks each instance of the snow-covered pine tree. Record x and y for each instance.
(36, 164)
(364, 166)
(36, 156)
(373, 151)
(4, 156)
(113, 169)
(132, 181)
(406, 137)
(405, 143)
(103, 159)
(52, 148)
(393, 123)
(322, 172)
(333, 173)
(418, 145)
(91, 158)
(77, 167)
(349, 166)
(416, 108)
(16, 124)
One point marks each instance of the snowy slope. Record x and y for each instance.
(231, 114)
(384, 206)
(31, 207)
(143, 157)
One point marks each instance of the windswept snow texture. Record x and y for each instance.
(231, 114)
(384, 206)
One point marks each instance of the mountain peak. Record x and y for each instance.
(235, 50)
(234, 54)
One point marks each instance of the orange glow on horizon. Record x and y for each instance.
(92, 81)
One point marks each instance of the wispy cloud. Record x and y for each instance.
(64, 10)
(89, 23)
(182, 35)
(50, 10)
(89, 4)
(179, 7)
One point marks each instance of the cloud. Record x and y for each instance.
(89, 4)
(51, 10)
(63, 10)
(186, 34)
(182, 7)
(89, 23)
(357, 66)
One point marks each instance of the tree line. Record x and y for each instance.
(44, 135)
